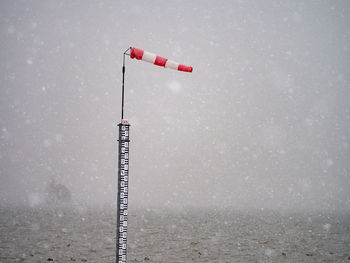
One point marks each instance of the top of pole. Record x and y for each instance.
(140, 54)
(123, 72)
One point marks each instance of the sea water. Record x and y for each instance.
(75, 234)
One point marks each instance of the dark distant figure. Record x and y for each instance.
(58, 193)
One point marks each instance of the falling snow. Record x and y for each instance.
(261, 125)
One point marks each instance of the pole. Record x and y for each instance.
(122, 199)
(123, 181)
(123, 72)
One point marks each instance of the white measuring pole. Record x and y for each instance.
(123, 185)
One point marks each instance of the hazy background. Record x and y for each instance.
(262, 122)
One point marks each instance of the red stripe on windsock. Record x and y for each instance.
(160, 61)
(185, 68)
(136, 53)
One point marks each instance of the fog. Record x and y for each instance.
(262, 122)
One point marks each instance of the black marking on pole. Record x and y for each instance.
(123, 184)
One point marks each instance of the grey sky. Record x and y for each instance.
(263, 120)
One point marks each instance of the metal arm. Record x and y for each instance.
(123, 71)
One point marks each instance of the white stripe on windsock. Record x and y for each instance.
(149, 57)
(171, 64)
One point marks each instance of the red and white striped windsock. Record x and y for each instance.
(157, 60)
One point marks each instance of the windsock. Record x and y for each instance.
(157, 60)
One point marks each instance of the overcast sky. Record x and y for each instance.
(263, 121)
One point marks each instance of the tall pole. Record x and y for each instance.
(122, 199)
(123, 182)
